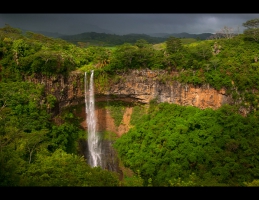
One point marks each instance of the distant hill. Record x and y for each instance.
(110, 39)
(46, 33)
(104, 39)
(72, 29)
(50, 34)
(202, 36)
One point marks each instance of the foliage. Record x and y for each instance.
(133, 181)
(173, 44)
(117, 109)
(24, 123)
(108, 135)
(254, 183)
(143, 55)
(62, 169)
(35, 53)
(252, 30)
(102, 81)
(178, 182)
(173, 141)
(137, 114)
(36, 152)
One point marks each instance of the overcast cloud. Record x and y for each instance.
(127, 23)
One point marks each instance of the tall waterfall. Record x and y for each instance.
(94, 147)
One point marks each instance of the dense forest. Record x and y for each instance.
(168, 145)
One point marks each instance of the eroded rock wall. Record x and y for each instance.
(145, 85)
(135, 86)
(67, 90)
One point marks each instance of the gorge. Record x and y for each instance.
(135, 87)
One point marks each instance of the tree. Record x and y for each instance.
(33, 141)
(141, 43)
(215, 63)
(63, 169)
(216, 36)
(8, 130)
(227, 32)
(10, 30)
(173, 44)
(203, 51)
(252, 30)
(123, 57)
(253, 23)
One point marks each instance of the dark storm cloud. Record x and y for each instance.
(127, 23)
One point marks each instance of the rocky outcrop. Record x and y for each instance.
(145, 85)
(136, 86)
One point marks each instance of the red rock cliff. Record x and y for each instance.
(137, 86)
(144, 85)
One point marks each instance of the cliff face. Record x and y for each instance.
(143, 86)
(67, 90)
(136, 86)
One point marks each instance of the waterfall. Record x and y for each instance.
(94, 147)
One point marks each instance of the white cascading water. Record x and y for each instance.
(94, 147)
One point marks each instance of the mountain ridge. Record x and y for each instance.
(96, 29)
(105, 39)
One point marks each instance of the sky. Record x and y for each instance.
(121, 24)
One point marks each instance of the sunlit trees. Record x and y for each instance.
(172, 142)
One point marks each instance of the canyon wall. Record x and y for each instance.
(145, 85)
(139, 86)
